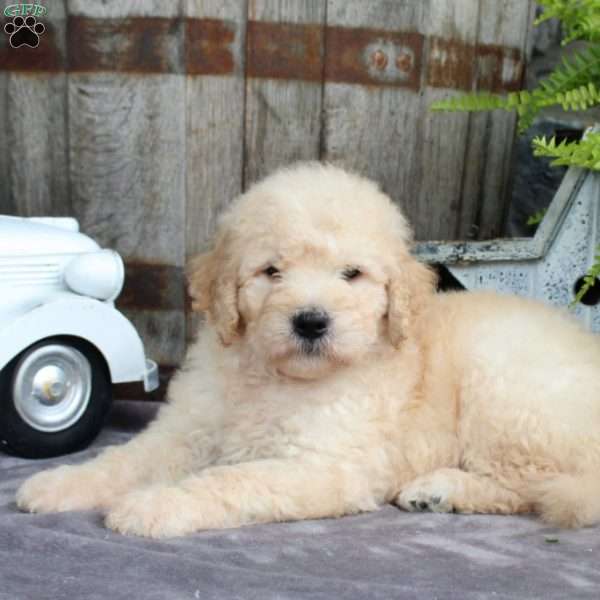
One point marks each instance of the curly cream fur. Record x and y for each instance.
(471, 402)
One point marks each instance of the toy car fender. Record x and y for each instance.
(87, 319)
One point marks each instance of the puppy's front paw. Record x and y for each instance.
(427, 493)
(157, 512)
(62, 489)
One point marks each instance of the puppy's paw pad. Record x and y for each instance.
(423, 496)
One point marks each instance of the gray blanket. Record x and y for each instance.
(386, 554)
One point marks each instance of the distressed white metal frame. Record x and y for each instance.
(546, 266)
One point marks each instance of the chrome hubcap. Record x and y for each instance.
(52, 387)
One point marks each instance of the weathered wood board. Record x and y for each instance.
(127, 164)
(438, 167)
(439, 201)
(488, 163)
(214, 116)
(284, 90)
(33, 142)
(376, 129)
(215, 92)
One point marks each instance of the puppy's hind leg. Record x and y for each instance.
(568, 500)
(454, 490)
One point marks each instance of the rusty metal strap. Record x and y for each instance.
(151, 286)
(305, 52)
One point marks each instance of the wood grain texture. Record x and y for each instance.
(448, 172)
(283, 117)
(214, 130)
(33, 156)
(209, 46)
(489, 150)
(214, 134)
(117, 9)
(373, 130)
(127, 171)
(437, 198)
(140, 45)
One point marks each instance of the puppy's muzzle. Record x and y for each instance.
(310, 324)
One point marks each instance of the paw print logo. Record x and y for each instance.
(24, 32)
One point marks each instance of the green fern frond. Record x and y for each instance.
(579, 98)
(574, 84)
(538, 217)
(590, 279)
(580, 18)
(584, 153)
(565, 85)
(586, 29)
(481, 101)
(582, 68)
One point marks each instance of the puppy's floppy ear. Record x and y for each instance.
(411, 285)
(201, 272)
(213, 287)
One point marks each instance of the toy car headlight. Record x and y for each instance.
(96, 274)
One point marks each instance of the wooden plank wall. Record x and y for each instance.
(145, 118)
(283, 86)
(127, 171)
(214, 122)
(378, 129)
(33, 135)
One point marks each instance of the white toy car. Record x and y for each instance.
(62, 341)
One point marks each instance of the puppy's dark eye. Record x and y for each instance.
(351, 273)
(271, 271)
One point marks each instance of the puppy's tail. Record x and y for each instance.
(568, 500)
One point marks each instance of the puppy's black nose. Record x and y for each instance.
(310, 324)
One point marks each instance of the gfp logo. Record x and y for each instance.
(24, 29)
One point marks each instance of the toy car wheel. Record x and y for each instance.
(54, 398)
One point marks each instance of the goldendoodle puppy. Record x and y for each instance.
(330, 379)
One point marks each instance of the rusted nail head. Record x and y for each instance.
(379, 59)
(404, 61)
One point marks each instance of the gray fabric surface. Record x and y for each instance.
(386, 554)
